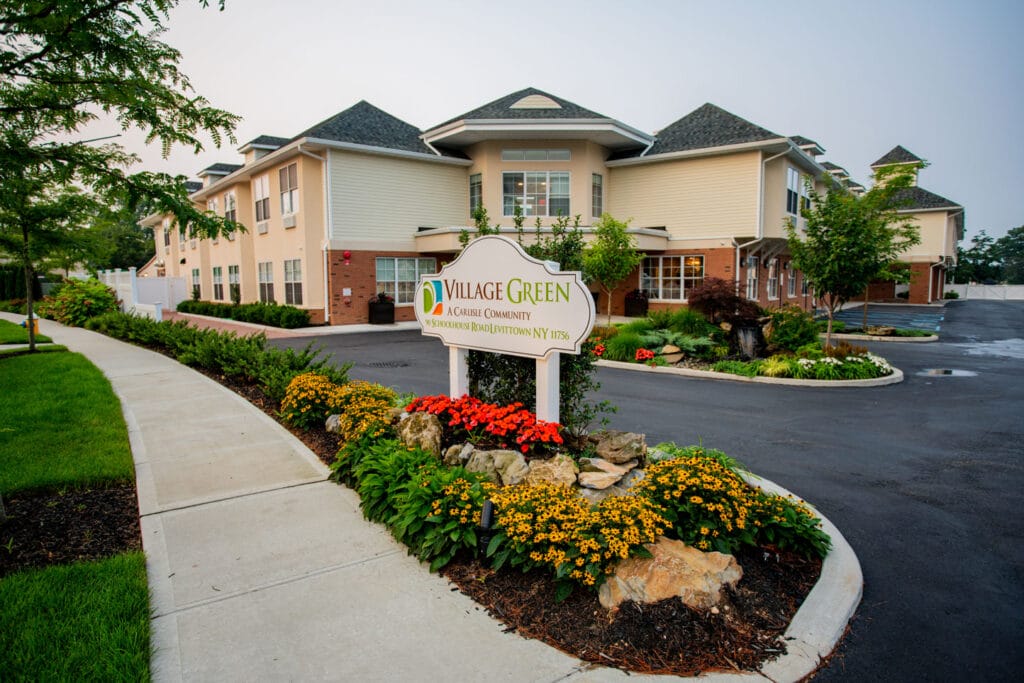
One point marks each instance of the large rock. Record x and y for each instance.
(880, 330)
(599, 465)
(557, 470)
(503, 467)
(597, 495)
(619, 447)
(458, 454)
(631, 478)
(671, 353)
(673, 570)
(421, 430)
(332, 425)
(598, 480)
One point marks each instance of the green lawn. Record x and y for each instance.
(60, 425)
(12, 333)
(87, 621)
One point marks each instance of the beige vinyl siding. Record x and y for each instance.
(693, 198)
(932, 227)
(381, 201)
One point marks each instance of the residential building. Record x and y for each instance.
(364, 202)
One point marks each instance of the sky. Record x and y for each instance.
(943, 79)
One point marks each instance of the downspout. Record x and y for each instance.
(325, 161)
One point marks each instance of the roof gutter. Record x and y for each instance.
(327, 226)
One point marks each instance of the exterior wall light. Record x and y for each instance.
(347, 255)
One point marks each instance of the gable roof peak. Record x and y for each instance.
(897, 155)
(528, 103)
(365, 124)
(708, 126)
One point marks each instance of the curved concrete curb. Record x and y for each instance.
(895, 378)
(875, 338)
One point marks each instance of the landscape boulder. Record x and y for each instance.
(880, 330)
(673, 570)
(421, 430)
(619, 447)
(332, 425)
(503, 467)
(671, 353)
(557, 470)
(598, 480)
(458, 455)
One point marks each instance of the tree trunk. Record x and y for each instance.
(29, 299)
(608, 306)
(828, 330)
(864, 324)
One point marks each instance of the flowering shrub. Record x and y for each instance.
(362, 407)
(468, 418)
(644, 355)
(598, 350)
(709, 506)
(77, 301)
(551, 526)
(816, 366)
(308, 400)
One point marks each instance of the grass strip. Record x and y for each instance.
(23, 350)
(12, 333)
(60, 424)
(88, 621)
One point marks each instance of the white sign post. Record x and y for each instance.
(495, 297)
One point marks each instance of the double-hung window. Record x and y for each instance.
(234, 284)
(261, 193)
(537, 193)
(476, 192)
(398, 277)
(196, 287)
(167, 235)
(805, 286)
(773, 279)
(792, 191)
(230, 207)
(753, 263)
(597, 195)
(791, 283)
(289, 176)
(218, 283)
(266, 277)
(671, 278)
(293, 282)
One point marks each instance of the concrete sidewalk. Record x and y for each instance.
(261, 569)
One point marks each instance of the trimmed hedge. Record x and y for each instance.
(275, 315)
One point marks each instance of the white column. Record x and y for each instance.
(547, 387)
(458, 371)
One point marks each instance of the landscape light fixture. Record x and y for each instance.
(486, 521)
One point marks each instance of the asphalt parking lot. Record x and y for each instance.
(923, 478)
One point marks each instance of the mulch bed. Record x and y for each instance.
(664, 638)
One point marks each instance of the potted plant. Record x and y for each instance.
(382, 309)
(636, 303)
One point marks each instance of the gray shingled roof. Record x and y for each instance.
(267, 141)
(500, 109)
(920, 198)
(706, 126)
(193, 186)
(800, 141)
(897, 155)
(829, 166)
(221, 169)
(365, 124)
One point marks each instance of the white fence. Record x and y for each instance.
(146, 296)
(992, 292)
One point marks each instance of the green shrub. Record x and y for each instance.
(659, 319)
(382, 474)
(738, 367)
(838, 326)
(951, 295)
(691, 322)
(778, 366)
(792, 328)
(77, 301)
(274, 315)
(637, 326)
(623, 346)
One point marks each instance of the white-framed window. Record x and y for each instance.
(234, 283)
(671, 278)
(293, 282)
(181, 238)
(753, 263)
(289, 176)
(398, 277)
(538, 193)
(196, 286)
(261, 195)
(792, 191)
(476, 192)
(536, 155)
(597, 195)
(230, 207)
(218, 283)
(773, 279)
(791, 283)
(805, 286)
(167, 234)
(265, 270)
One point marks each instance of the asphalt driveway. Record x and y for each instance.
(923, 478)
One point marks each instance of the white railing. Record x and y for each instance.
(990, 292)
(146, 296)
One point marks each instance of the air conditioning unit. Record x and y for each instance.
(262, 228)
(288, 221)
(950, 262)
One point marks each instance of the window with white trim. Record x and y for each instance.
(293, 282)
(234, 283)
(196, 286)
(597, 195)
(476, 192)
(289, 177)
(230, 207)
(167, 233)
(537, 193)
(753, 263)
(773, 279)
(265, 270)
(671, 278)
(261, 194)
(398, 277)
(805, 286)
(792, 191)
(536, 155)
(791, 283)
(218, 283)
